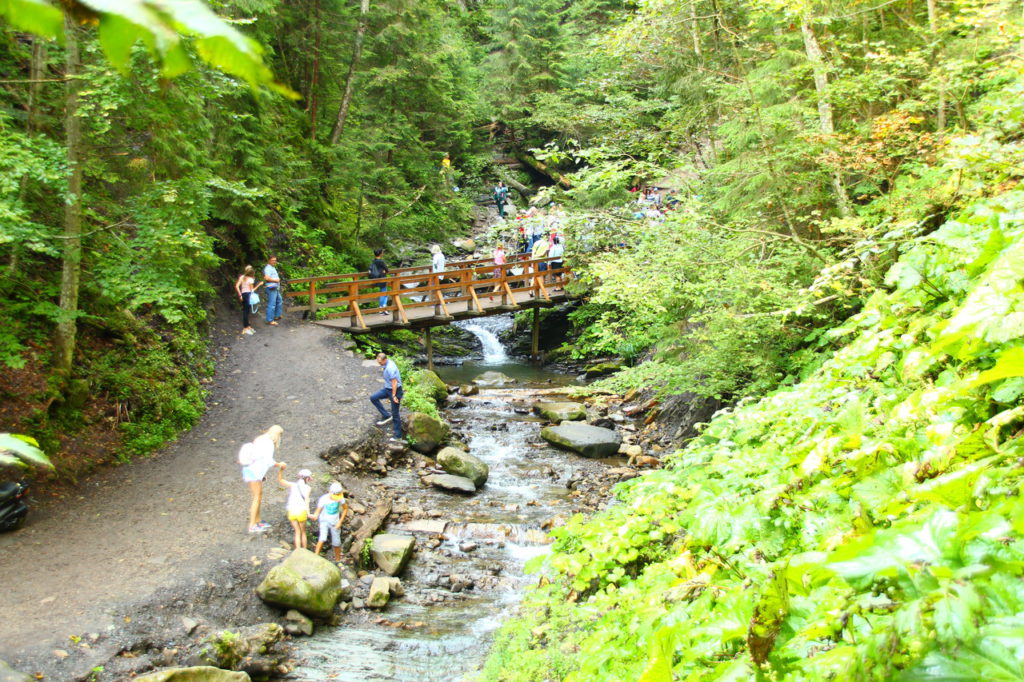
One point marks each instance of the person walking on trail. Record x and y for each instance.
(392, 392)
(245, 286)
(272, 280)
(256, 459)
(556, 253)
(379, 270)
(500, 198)
(297, 505)
(331, 511)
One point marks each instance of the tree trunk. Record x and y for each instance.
(316, 71)
(820, 70)
(515, 184)
(694, 29)
(357, 50)
(933, 26)
(72, 260)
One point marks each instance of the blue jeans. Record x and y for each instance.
(383, 300)
(273, 303)
(385, 394)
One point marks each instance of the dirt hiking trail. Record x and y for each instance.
(163, 525)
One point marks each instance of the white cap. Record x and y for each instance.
(305, 473)
(335, 488)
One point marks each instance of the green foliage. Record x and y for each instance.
(863, 524)
(419, 394)
(20, 451)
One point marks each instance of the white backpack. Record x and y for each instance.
(247, 454)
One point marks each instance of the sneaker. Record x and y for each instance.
(272, 324)
(382, 422)
(395, 440)
(259, 528)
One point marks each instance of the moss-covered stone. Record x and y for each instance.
(199, 673)
(425, 432)
(459, 463)
(432, 385)
(304, 582)
(555, 411)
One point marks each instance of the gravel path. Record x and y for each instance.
(81, 566)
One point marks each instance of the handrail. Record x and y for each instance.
(417, 287)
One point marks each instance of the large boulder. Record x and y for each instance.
(560, 411)
(493, 379)
(459, 484)
(305, 582)
(381, 589)
(199, 673)
(460, 463)
(587, 440)
(432, 385)
(391, 552)
(425, 432)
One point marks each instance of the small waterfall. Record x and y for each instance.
(487, 329)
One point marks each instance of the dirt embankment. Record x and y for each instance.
(158, 549)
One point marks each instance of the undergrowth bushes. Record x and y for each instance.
(864, 524)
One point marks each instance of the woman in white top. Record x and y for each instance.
(437, 261)
(297, 505)
(256, 459)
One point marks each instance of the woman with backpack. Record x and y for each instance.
(257, 458)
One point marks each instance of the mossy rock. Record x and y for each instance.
(199, 673)
(432, 385)
(601, 369)
(555, 411)
(305, 582)
(426, 432)
(459, 463)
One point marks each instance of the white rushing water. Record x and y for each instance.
(487, 329)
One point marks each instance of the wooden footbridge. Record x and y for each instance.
(418, 298)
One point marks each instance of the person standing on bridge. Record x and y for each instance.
(379, 270)
(392, 392)
(273, 285)
(437, 259)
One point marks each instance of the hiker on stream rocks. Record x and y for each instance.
(392, 391)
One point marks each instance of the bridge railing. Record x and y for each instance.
(407, 289)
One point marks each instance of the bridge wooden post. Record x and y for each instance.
(312, 299)
(535, 340)
(429, 343)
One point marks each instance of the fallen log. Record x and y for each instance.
(543, 169)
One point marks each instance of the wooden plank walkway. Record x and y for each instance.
(418, 298)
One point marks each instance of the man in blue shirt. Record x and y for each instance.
(273, 289)
(391, 392)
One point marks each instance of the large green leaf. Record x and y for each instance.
(15, 448)
(34, 16)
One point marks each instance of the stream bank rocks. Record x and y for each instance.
(381, 590)
(589, 441)
(391, 552)
(251, 650)
(458, 463)
(305, 582)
